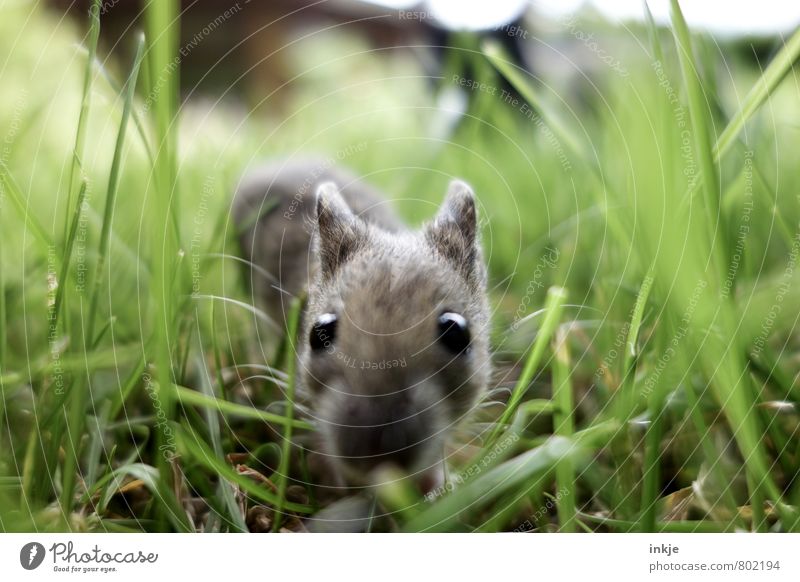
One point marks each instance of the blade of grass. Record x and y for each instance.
(628, 396)
(709, 452)
(192, 397)
(777, 70)
(97, 487)
(758, 522)
(626, 404)
(521, 471)
(186, 331)
(283, 468)
(564, 425)
(723, 364)
(397, 494)
(783, 227)
(698, 114)
(113, 186)
(10, 187)
(154, 482)
(71, 234)
(700, 526)
(135, 114)
(80, 133)
(516, 77)
(95, 432)
(507, 509)
(632, 346)
(193, 447)
(652, 29)
(78, 394)
(224, 491)
(162, 26)
(3, 319)
(556, 297)
(121, 396)
(532, 466)
(102, 333)
(11, 379)
(651, 469)
(215, 348)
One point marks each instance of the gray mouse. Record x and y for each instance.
(393, 348)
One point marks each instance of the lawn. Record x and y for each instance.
(641, 226)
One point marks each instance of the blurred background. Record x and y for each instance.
(251, 57)
(402, 93)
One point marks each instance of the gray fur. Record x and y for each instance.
(385, 389)
(275, 214)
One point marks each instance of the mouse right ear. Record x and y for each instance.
(454, 232)
(339, 232)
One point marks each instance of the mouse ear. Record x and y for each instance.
(454, 231)
(339, 232)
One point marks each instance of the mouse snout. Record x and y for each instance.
(376, 430)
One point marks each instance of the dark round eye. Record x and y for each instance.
(323, 332)
(454, 332)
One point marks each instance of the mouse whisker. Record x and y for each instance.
(272, 379)
(260, 314)
(262, 367)
(257, 268)
(280, 289)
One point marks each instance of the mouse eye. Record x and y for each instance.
(454, 332)
(323, 332)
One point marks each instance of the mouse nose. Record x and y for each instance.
(381, 429)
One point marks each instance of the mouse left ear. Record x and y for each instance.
(454, 231)
(339, 232)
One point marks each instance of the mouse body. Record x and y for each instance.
(393, 349)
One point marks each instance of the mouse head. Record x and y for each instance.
(394, 346)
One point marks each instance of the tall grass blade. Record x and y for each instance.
(286, 447)
(187, 396)
(80, 134)
(162, 25)
(192, 447)
(154, 482)
(113, 186)
(627, 399)
(500, 60)
(80, 393)
(554, 304)
(776, 72)
(3, 319)
(71, 234)
(564, 426)
(9, 186)
(525, 470)
(224, 490)
(699, 112)
(720, 358)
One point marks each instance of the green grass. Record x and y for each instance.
(664, 396)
